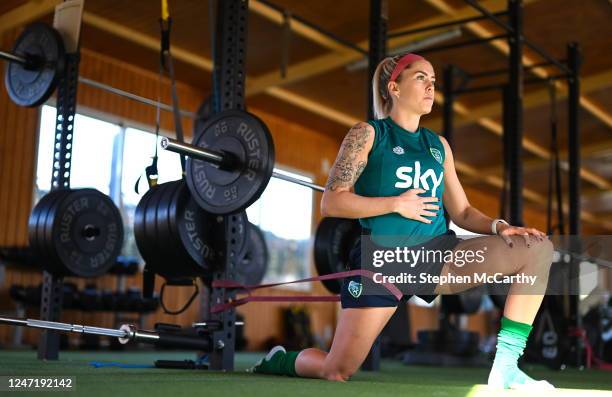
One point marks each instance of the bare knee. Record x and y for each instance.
(542, 252)
(546, 248)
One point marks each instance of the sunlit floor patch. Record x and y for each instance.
(484, 391)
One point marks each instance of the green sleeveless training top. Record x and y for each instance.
(401, 160)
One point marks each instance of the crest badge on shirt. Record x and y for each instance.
(355, 289)
(436, 154)
(398, 150)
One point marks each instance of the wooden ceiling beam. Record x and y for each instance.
(592, 149)
(344, 56)
(297, 26)
(586, 151)
(588, 84)
(26, 13)
(502, 46)
(268, 83)
(496, 128)
(485, 117)
(144, 40)
(204, 63)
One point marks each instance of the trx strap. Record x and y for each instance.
(166, 63)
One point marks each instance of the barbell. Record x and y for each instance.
(230, 162)
(36, 64)
(76, 232)
(178, 239)
(164, 335)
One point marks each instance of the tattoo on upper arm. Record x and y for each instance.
(347, 168)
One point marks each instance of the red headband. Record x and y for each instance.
(403, 63)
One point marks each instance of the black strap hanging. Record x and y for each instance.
(554, 169)
(167, 63)
(503, 208)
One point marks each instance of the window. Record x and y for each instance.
(92, 144)
(138, 151)
(111, 158)
(284, 214)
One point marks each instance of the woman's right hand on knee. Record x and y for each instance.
(527, 233)
(412, 206)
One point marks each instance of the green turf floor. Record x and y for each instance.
(394, 379)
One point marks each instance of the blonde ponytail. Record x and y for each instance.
(382, 101)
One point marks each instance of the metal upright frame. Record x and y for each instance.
(573, 131)
(377, 51)
(53, 285)
(515, 111)
(228, 94)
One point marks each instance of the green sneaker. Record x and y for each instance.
(271, 363)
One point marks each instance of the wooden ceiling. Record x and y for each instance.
(319, 90)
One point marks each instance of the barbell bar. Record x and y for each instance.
(219, 159)
(96, 84)
(125, 333)
(35, 78)
(230, 162)
(7, 56)
(128, 333)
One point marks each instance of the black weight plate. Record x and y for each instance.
(153, 257)
(252, 268)
(158, 245)
(33, 87)
(33, 225)
(244, 137)
(193, 228)
(167, 247)
(144, 245)
(334, 239)
(87, 232)
(175, 260)
(144, 230)
(159, 258)
(36, 229)
(50, 261)
(199, 231)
